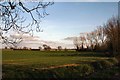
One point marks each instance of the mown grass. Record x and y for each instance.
(30, 64)
(48, 58)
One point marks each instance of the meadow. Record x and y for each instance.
(48, 64)
(48, 58)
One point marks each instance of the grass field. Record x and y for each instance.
(25, 63)
(48, 58)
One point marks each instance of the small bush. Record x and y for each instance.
(86, 69)
(114, 61)
(106, 64)
(97, 65)
(103, 64)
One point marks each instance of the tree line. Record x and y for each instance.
(106, 38)
(43, 47)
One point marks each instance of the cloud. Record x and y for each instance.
(70, 38)
(35, 42)
(25, 37)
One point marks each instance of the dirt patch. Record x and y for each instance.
(59, 66)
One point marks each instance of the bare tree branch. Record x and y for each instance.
(12, 18)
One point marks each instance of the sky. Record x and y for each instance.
(69, 19)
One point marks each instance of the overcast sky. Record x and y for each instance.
(69, 19)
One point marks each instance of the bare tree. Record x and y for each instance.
(104, 38)
(101, 35)
(112, 30)
(97, 38)
(80, 42)
(13, 17)
(91, 39)
(76, 43)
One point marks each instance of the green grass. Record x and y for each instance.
(63, 72)
(48, 58)
(111, 73)
(25, 63)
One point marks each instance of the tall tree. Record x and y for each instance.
(112, 30)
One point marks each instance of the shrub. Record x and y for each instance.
(86, 69)
(103, 64)
(114, 61)
(106, 64)
(73, 71)
(97, 65)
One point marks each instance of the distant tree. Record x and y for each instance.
(81, 41)
(40, 48)
(11, 47)
(6, 48)
(101, 35)
(25, 48)
(76, 43)
(66, 49)
(90, 41)
(46, 47)
(59, 48)
(100, 39)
